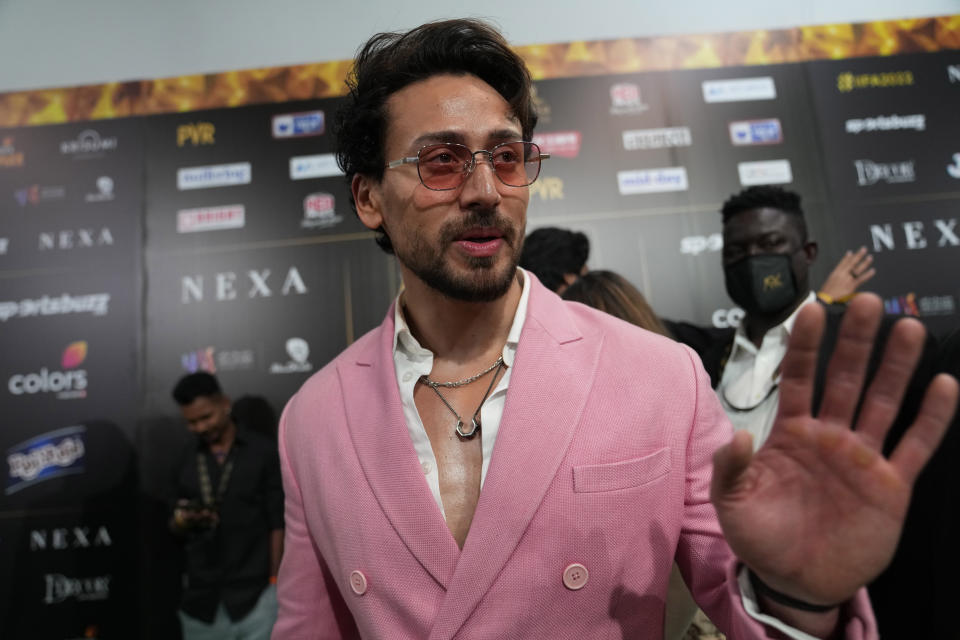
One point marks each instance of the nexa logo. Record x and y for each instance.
(257, 284)
(196, 134)
(69, 538)
(883, 236)
(81, 238)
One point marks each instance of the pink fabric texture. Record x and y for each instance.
(603, 459)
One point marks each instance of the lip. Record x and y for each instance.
(480, 242)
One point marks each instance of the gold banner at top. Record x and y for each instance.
(582, 58)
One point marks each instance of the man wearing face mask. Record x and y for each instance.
(767, 255)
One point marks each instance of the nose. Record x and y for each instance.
(481, 185)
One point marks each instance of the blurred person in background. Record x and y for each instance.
(229, 515)
(556, 256)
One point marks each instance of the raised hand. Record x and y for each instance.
(816, 512)
(852, 271)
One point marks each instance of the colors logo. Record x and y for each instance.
(49, 455)
(68, 385)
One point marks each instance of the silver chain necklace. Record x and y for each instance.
(465, 381)
(475, 420)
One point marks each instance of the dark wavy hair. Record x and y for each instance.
(389, 62)
(767, 197)
(195, 385)
(552, 252)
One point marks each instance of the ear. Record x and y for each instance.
(811, 250)
(366, 197)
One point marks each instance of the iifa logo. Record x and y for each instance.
(50, 455)
(69, 384)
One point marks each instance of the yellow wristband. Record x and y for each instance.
(826, 298)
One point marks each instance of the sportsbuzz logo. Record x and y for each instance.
(68, 384)
(44, 457)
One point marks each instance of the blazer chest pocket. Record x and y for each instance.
(595, 478)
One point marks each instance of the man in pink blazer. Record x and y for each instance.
(431, 494)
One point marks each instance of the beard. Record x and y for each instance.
(485, 279)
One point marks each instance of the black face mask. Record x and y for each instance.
(762, 284)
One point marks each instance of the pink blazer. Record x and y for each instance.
(599, 479)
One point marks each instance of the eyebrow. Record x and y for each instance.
(436, 137)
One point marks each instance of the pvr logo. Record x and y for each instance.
(195, 133)
(547, 189)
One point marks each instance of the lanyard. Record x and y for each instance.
(206, 486)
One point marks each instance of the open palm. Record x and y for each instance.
(818, 510)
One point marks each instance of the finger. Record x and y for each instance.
(864, 259)
(800, 363)
(882, 401)
(848, 364)
(729, 463)
(921, 440)
(863, 277)
(846, 262)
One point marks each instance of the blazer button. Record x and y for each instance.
(358, 583)
(575, 576)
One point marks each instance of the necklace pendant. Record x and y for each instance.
(474, 427)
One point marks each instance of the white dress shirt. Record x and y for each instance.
(749, 389)
(411, 360)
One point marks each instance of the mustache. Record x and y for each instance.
(480, 217)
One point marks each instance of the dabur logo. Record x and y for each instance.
(68, 384)
(44, 457)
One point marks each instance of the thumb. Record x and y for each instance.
(729, 463)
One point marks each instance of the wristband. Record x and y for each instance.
(760, 587)
(273, 579)
(826, 298)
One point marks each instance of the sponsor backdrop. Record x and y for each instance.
(156, 228)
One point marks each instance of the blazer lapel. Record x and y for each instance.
(389, 461)
(542, 411)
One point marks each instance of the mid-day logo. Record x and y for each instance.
(68, 383)
(49, 455)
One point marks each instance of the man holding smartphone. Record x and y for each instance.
(229, 513)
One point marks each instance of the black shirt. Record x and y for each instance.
(231, 563)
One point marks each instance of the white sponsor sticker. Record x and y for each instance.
(210, 218)
(323, 165)
(652, 180)
(765, 172)
(643, 139)
(739, 90)
(218, 175)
